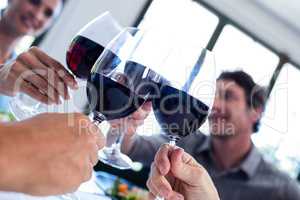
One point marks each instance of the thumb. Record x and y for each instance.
(185, 167)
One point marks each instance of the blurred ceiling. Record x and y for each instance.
(275, 23)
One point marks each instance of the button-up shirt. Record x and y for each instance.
(253, 179)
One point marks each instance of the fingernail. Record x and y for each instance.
(165, 193)
(179, 197)
(75, 84)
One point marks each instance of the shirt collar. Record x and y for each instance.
(249, 165)
(251, 162)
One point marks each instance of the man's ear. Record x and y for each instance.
(256, 114)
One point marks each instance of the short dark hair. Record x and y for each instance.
(255, 94)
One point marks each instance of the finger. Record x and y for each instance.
(184, 166)
(50, 62)
(43, 86)
(151, 196)
(94, 154)
(147, 106)
(175, 196)
(48, 74)
(35, 93)
(98, 136)
(135, 123)
(87, 174)
(162, 159)
(153, 189)
(23, 73)
(142, 113)
(159, 183)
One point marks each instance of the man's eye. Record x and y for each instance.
(35, 2)
(48, 13)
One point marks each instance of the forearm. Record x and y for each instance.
(5, 165)
(12, 171)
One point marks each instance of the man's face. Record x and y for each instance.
(30, 16)
(230, 113)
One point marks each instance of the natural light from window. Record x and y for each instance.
(278, 137)
(185, 22)
(235, 50)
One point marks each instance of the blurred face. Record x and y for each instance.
(31, 17)
(230, 113)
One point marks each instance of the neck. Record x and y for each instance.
(229, 152)
(8, 41)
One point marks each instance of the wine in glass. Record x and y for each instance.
(117, 87)
(89, 43)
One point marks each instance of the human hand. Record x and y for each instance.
(175, 175)
(38, 75)
(49, 154)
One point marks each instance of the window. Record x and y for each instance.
(183, 18)
(186, 20)
(279, 137)
(235, 50)
(3, 4)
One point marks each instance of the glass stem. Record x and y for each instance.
(173, 140)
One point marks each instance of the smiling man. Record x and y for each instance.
(235, 165)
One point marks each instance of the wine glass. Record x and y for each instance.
(89, 43)
(184, 103)
(186, 97)
(187, 80)
(117, 87)
(85, 48)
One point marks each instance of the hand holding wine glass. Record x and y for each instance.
(38, 75)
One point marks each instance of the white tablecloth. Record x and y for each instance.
(19, 196)
(87, 191)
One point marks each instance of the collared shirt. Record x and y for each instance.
(253, 179)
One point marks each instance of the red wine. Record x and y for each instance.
(82, 55)
(177, 112)
(110, 98)
(142, 80)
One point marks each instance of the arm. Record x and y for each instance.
(37, 159)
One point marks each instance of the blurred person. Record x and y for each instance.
(235, 165)
(18, 19)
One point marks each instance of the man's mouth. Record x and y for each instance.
(217, 117)
(27, 22)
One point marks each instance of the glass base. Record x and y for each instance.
(114, 158)
(24, 107)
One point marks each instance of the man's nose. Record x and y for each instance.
(217, 103)
(39, 17)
